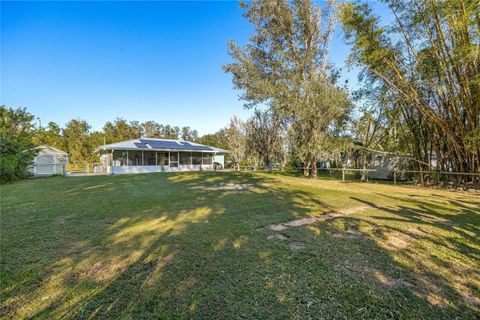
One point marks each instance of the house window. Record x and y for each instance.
(185, 158)
(173, 159)
(207, 158)
(196, 158)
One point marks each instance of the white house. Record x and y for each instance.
(159, 155)
(49, 161)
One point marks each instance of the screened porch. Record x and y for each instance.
(172, 159)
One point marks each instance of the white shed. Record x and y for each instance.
(49, 161)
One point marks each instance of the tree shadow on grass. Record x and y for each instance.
(175, 248)
(434, 245)
(143, 222)
(463, 221)
(376, 281)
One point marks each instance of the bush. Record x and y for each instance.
(16, 145)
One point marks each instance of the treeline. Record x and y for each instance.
(20, 132)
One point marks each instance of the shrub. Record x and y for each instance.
(16, 130)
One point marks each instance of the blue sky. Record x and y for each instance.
(137, 60)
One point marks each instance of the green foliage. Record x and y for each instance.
(16, 131)
(120, 130)
(285, 67)
(51, 135)
(266, 138)
(236, 140)
(218, 139)
(76, 135)
(423, 69)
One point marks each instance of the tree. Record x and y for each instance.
(95, 139)
(219, 139)
(170, 132)
(236, 140)
(120, 129)
(16, 132)
(369, 133)
(152, 129)
(285, 67)
(265, 138)
(188, 134)
(431, 74)
(76, 136)
(51, 135)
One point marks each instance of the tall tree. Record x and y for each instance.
(265, 138)
(170, 132)
(120, 129)
(51, 135)
(218, 139)
(152, 129)
(428, 59)
(188, 134)
(16, 132)
(76, 135)
(285, 67)
(236, 140)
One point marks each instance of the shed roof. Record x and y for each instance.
(151, 144)
(49, 149)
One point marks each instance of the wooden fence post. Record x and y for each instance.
(343, 174)
(394, 177)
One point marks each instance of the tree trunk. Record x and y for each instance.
(364, 176)
(314, 168)
(305, 169)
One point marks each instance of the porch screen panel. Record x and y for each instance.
(173, 159)
(207, 158)
(185, 158)
(119, 158)
(134, 158)
(196, 158)
(149, 158)
(162, 158)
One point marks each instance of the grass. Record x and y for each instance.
(179, 246)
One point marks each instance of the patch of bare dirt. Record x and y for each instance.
(350, 233)
(232, 186)
(297, 245)
(300, 245)
(471, 298)
(399, 241)
(277, 236)
(314, 219)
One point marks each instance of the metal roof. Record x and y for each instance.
(159, 145)
(53, 150)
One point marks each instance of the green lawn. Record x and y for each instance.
(186, 246)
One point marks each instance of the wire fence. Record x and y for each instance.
(465, 179)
